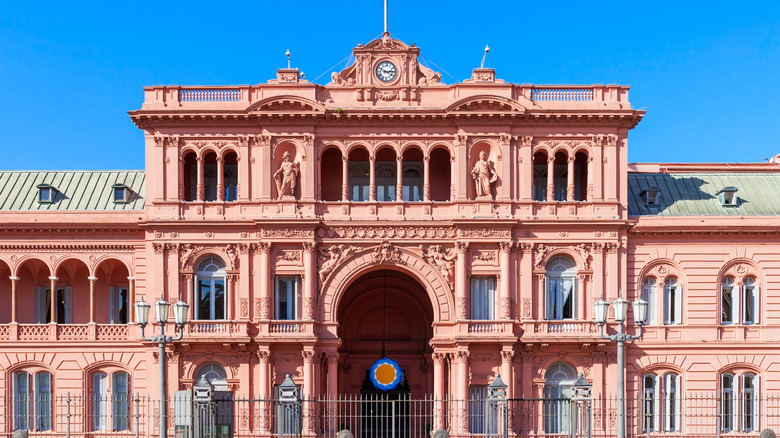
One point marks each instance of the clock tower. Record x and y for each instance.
(386, 69)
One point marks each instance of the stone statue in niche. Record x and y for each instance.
(286, 177)
(484, 176)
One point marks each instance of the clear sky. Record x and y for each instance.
(708, 73)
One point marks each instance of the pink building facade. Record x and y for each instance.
(464, 230)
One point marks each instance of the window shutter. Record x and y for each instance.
(756, 306)
(113, 305)
(678, 305)
(657, 403)
(735, 307)
(40, 305)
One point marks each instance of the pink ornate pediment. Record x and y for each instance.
(486, 103)
(286, 103)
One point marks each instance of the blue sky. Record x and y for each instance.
(708, 73)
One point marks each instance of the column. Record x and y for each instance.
(244, 281)
(570, 179)
(309, 280)
(462, 391)
(190, 296)
(438, 390)
(372, 179)
(399, 178)
(263, 392)
(220, 179)
(308, 390)
(131, 298)
(344, 178)
(461, 281)
(14, 279)
(92, 281)
(332, 359)
(427, 178)
(200, 179)
(551, 178)
(53, 300)
(507, 375)
(265, 276)
(506, 279)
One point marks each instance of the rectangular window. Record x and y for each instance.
(540, 182)
(750, 301)
(288, 297)
(650, 404)
(727, 304)
(672, 302)
(210, 297)
(43, 305)
(482, 303)
(650, 295)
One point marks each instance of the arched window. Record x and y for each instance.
(412, 176)
(560, 176)
(440, 179)
(561, 280)
(650, 294)
(210, 177)
(230, 177)
(557, 397)
(728, 306)
(661, 400)
(540, 176)
(32, 407)
(190, 177)
(331, 175)
(739, 405)
(581, 177)
(210, 290)
(110, 405)
(672, 302)
(359, 175)
(386, 169)
(214, 373)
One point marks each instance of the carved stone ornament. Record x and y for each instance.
(484, 232)
(288, 256)
(461, 307)
(541, 252)
(330, 258)
(232, 252)
(484, 175)
(187, 250)
(526, 308)
(483, 256)
(387, 253)
(443, 260)
(584, 251)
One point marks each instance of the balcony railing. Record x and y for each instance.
(286, 327)
(64, 332)
(215, 328)
(565, 327)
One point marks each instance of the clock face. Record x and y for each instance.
(386, 71)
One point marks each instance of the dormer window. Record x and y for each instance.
(121, 194)
(652, 196)
(45, 193)
(728, 197)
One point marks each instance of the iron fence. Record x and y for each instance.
(378, 416)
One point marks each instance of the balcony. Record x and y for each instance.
(571, 331)
(66, 332)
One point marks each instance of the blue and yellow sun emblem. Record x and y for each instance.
(385, 374)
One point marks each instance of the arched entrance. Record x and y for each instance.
(387, 307)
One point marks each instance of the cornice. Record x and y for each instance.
(26, 228)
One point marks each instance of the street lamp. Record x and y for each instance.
(621, 308)
(161, 307)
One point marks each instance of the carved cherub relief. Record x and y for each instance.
(444, 260)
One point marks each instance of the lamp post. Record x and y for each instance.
(161, 312)
(621, 308)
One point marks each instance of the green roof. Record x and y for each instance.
(76, 190)
(696, 194)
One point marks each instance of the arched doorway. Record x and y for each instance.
(392, 308)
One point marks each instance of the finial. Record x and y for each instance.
(288, 57)
(487, 49)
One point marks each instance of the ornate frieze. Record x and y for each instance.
(388, 232)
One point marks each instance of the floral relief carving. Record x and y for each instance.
(258, 308)
(483, 256)
(265, 308)
(506, 306)
(741, 269)
(244, 308)
(662, 270)
(387, 95)
(461, 307)
(288, 256)
(526, 308)
(287, 232)
(308, 308)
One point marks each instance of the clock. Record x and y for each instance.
(386, 71)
